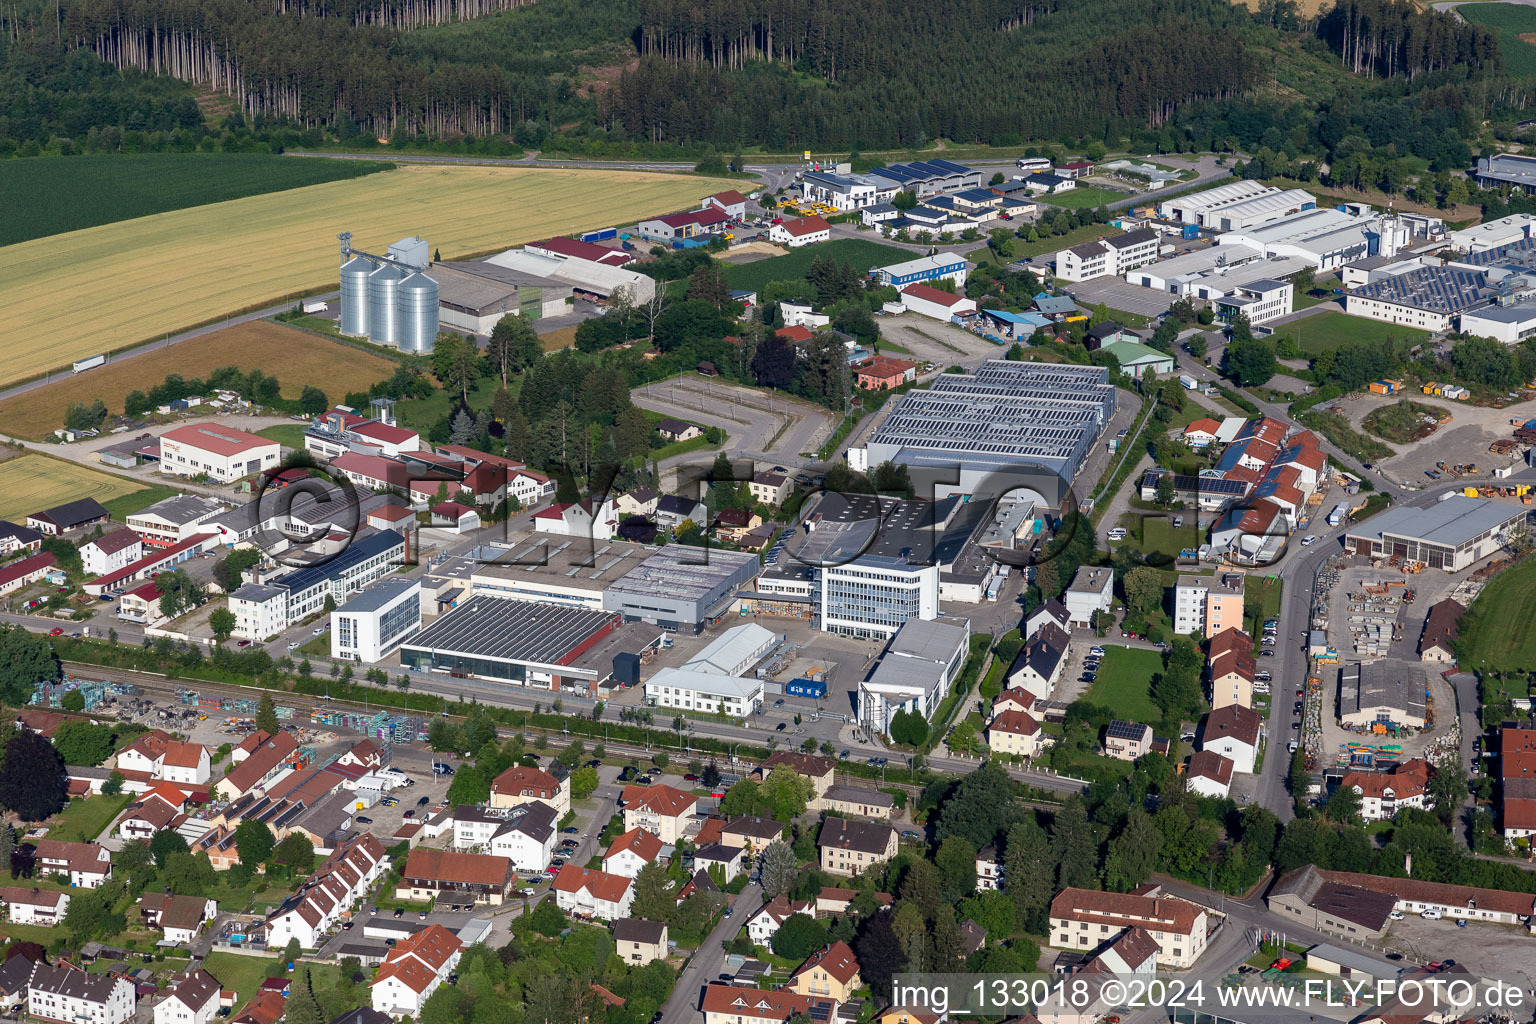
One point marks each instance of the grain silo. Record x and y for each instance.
(418, 314)
(354, 296)
(383, 301)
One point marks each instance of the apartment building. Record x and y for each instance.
(1086, 919)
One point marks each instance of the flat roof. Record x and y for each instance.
(379, 595)
(1517, 313)
(563, 561)
(502, 629)
(681, 572)
(364, 547)
(1452, 523)
(1437, 289)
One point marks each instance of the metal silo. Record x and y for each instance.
(418, 313)
(354, 296)
(383, 297)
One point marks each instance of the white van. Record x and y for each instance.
(1430, 914)
(1118, 533)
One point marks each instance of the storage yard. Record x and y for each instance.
(104, 288)
(295, 357)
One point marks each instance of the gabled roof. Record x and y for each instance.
(935, 295)
(1021, 723)
(845, 834)
(806, 226)
(658, 799)
(449, 866)
(637, 929)
(836, 959)
(73, 513)
(26, 566)
(417, 961)
(736, 1001)
(638, 841)
(1207, 764)
(117, 540)
(1233, 722)
(808, 765)
(216, 438)
(603, 886)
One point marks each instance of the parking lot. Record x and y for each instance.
(1487, 950)
(939, 343)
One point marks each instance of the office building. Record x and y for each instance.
(1108, 257)
(221, 453)
(369, 627)
(1259, 301)
(706, 692)
(302, 593)
(915, 673)
(1085, 919)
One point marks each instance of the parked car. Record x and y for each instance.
(58, 631)
(364, 821)
(570, 830)
(525, 891)
(844, 755)
(399, 911)
(779, 727)
(910, 834)
(423, 801)
(1309, 540)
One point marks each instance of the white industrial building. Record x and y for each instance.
(1493, 233)
(1214, 272)
(1108, 257)
(1508, 324)
(845, 190)
(264, 609)
(1260, 301)
(1256, 211)
(218, 452)
(874, 596)
(736, 651)
(940, 266)
(369, 627)
(584, 277)
(935, 303)
(915, 672)
(705, 692)
(1428, 299)
(472, 297)
(1326, 238)
(1194, 207)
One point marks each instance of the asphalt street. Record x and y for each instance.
(708, 963)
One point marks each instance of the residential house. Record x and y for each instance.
(751, 833)
(334, 887)
(848, 847)
(431, 873)
(1233, 731)
(639, 502)
(630, 852)
(860, 801)
(881, 373)
(832, 972)
(677, 430)
(764, 924)
(1039, 663)
(1383, 794)
(160, 808)
(659, 809)
(179, 918)
(731, 524)
(525, 834)
(673, 509)
(111, 552)
(1126, 741)
(1209, 774)
(770, 488)
(731, 202)
(68, 995)
(14, 538)
(195, 1000)
(86, 864)
(267, 760)
(413, 970)
(521, 784)
(1016, 733)
(1092, 590)
(834, 901)
(33, 906)
(822, 771)
(638, 941)
(583, 892)
(804, 231)
(1052, 612)
(163, 758)
(1441, 628)
(989, 868)
(721, 862)
(735, 1004)
(1086, 919)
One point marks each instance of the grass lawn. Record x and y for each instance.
(861, 255)
(1158, 534)
(83, 820)
(126, 505)
(290, 435)
(693, 444)
(1125, 683)
(1082, 198)
(1049, 243)
(1328, 331)
(1496, 632)
(245, 974)
(420, 413)
(1261, 600)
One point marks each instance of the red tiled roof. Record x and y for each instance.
(602, 885)
(638, 841)
(417, 960)
(930, 294)
(448, 866)
(884, 367)
(1204, 425)
(25, 567)
(115, 541)
(736, 1001)
(384, 432)
(794, 334)
(1097, 907)
(659, 799)
(730, 197)
(160, 557)
(1411, 778)
(1235, 721)
(522, 780)
(1021, 723)
(807, 225)
(837, 960)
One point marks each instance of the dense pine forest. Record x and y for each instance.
(647, 76)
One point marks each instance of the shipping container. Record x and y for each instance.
(806, 688)
(600, 235)
(1189, 382)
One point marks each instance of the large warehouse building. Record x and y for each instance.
(585, 277)
(1035, 419)
(1382, 693)
(1429, 298)
(1326, 238)
(219, 452)
(473, 296)
(545, 646)
(681, 588)
(1450, 534)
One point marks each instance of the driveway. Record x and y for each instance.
(708, 963)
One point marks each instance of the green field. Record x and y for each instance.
(1083, 198)
(1328, 331)
(1496, 633)
(1508, 22)
(48, 196)
(83, 820)
(1261, 601)
(792, 266)
(1125, 683)
(290, 435)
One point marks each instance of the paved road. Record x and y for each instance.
(682, 1006)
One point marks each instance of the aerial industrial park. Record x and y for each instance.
(1040, 565)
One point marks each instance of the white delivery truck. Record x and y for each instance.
(1189, 382)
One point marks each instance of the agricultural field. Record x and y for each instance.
(861, 255)
(106, 288)
(295, 357)
(1496, 632)
(48, 196)
(1328, 331)
(31, 483)
(1515, 25)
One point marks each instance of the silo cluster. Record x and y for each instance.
(390, 300)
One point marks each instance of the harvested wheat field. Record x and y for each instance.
(32, 483)
(294, 357)
(103, 288)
